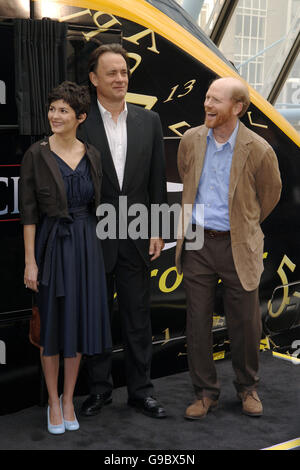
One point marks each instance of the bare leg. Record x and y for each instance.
(50, 365)
(71, 366)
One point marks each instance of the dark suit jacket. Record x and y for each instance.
(42, 190)
(144, 175)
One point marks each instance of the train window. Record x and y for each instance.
(8, 110)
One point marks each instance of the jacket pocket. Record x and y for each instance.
(256, 240)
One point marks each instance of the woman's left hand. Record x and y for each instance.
(30, 276)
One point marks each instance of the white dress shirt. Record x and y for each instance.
(117, 139)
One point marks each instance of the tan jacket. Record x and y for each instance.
(254, 191)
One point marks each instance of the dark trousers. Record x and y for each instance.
(131, 279)
(201, 271)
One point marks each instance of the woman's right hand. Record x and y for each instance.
(30, 276)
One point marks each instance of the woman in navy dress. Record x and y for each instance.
(59, 189)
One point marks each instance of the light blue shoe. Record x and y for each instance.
(69, 425)
(54, 428)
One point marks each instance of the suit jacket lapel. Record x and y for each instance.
(240, 155)
(96, 134)
(200, 150)
(133, 123)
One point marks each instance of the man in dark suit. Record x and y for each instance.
(130, 141)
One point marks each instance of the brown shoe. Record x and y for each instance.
(200, 408)
(252, 405)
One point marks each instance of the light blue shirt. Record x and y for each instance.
(214, 183)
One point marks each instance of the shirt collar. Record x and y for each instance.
(104, 111)
(232, 138)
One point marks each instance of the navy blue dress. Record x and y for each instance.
(72, 296)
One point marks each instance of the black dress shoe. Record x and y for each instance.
(93, 404)
(148, 406)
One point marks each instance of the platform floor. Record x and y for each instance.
(120, 428)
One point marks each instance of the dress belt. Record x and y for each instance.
(216, 233)
(57, 228)
(212, 233)
(80, 212)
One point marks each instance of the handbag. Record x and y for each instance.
(35, 325)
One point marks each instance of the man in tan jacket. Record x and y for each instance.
(234, 174)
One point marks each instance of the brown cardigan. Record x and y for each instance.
(42, 189)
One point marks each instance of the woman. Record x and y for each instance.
(59, 193)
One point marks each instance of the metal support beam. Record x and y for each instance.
(285, 70)
(222, 21)
(31, 9)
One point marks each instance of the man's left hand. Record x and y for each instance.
(156, 245)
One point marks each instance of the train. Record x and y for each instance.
(172, 62)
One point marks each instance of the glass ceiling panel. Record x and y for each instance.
(258, 39)
(204, 12)
(288, 102)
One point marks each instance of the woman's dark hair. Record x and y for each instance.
(76, 96)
